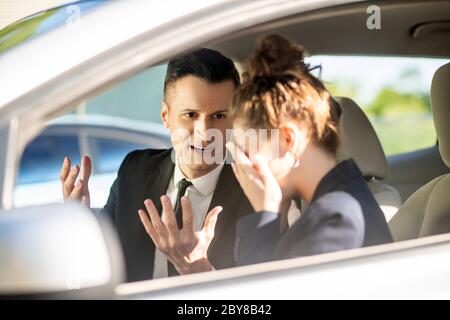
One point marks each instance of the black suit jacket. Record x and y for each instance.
(146, 174)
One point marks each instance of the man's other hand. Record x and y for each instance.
(71, 188)
(185, 248)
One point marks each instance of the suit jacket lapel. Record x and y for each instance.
(226, 194)
(158, 180)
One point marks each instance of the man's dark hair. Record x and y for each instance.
(206, 64)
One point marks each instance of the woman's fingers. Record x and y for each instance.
(237, 153)
(264, 170)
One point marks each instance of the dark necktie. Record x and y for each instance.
(182, 187)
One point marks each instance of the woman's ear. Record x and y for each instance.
(290, 137)
(165, 115)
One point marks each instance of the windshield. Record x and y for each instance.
(44, 21)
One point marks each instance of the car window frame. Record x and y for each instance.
(116, 68)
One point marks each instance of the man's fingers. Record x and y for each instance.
(168, 216)
(86, 168)
(69, 184)
(188, 235)
(63, 174)
(85, 200)
(148, 226)
(154, 216)
(210, 222)
(188, 219)
(77, 191)
(69, 175)
(65, 169)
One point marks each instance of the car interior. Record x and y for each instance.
(427, 211)
(360, 142)
(409, 29)
(412, 188)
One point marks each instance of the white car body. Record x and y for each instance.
(100, 55)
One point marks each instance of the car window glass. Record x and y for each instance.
(394, 92)
(137, 98)
(109, 153)
(110, 125)
(42, 158)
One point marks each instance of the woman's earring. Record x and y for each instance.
(296, 163)
(295, 160)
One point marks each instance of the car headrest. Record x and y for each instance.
(58, 251)
(359, 141)
(440, 106)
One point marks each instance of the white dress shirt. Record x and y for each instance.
(200, 194)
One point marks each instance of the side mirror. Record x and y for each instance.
(58, 251)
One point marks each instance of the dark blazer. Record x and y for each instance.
(146, 174)
(343, 215)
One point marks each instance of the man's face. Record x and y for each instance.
(197, 114)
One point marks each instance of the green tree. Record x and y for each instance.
(21, 31)
(390, 102)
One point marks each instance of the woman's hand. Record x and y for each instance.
(257, 181)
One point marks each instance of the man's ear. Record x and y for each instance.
(165, 115)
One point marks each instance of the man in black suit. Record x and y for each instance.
(190, 235)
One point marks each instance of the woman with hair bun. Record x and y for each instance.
(297, 158)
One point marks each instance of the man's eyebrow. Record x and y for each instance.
(189, 109)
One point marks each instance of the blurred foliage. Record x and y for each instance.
(389, 102)
(404, 133)
(20, 31)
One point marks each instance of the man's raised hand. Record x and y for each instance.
(71, 188)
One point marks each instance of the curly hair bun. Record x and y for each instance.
(273, 56)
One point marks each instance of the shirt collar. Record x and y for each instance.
(204, 184)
